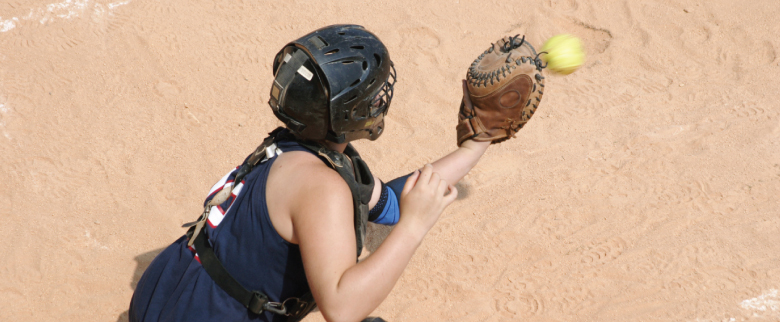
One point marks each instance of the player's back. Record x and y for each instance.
(175, 286)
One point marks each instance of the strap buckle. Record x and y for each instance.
(276, 307)
(260, 303)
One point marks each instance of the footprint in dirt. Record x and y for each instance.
(604, 252)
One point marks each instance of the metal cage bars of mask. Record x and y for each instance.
(381, 102)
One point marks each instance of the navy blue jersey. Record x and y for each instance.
(175, 287)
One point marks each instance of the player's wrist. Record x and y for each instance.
(475, 147)
(414, 230)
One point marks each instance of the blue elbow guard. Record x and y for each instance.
(390, 212)
(387, 211)
(397, 184)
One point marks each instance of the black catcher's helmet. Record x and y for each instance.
(335, 83)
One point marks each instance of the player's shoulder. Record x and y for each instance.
(310, 173)
(309, 189)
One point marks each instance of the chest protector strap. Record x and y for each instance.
(352, 169)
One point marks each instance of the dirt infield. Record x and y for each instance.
(646, 187)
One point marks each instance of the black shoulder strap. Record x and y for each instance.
(258, 155)
(350, 167)
(255, 301)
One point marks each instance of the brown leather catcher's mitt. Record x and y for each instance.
(505, 86)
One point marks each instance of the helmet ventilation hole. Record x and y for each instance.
(352, 91)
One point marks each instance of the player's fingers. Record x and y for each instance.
(448, 199)
(410, 182)
(435, 179)
(425, 174)
(442, 189)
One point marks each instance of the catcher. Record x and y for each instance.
(283, 231)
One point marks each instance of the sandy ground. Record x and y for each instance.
(646, 188)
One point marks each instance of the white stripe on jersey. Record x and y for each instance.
(237, 189)
(220, 183)
(215, 215)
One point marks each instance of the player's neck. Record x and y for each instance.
(339, 147)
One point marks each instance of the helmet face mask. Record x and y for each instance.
(380, 102)
(335, 83)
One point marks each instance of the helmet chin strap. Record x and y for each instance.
(292, 65)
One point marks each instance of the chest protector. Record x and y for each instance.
(361, 184)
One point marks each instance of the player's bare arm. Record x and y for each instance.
(458, 163)
(346, 291)
(455, 165)
(305, 195)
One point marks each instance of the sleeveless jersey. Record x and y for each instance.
(175, 287)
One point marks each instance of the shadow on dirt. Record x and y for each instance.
(142, 261)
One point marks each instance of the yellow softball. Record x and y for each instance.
(564, 53)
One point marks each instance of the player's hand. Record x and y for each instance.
(423, 199)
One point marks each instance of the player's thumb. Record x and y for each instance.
(410, 182)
